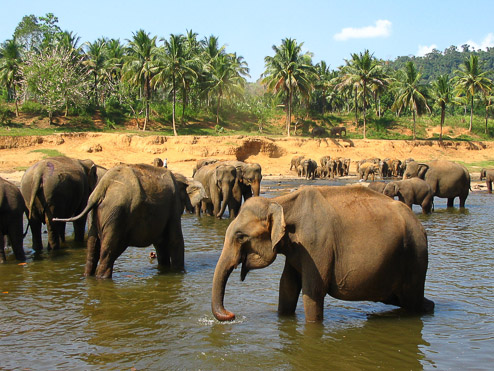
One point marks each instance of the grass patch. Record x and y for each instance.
(49, 152)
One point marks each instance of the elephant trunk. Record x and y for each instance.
(256, 187)
(224, 268)
(226, 191)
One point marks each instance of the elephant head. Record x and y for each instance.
(224, 178)
(252, 176)
(392, 189)
(415, 169)
(191, 192)
(251, 240)
(483, 174)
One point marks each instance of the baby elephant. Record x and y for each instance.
(413, 191)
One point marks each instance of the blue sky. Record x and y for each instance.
(330, 30)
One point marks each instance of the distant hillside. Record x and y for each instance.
(437, 63)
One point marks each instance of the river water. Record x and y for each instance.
(51, 317)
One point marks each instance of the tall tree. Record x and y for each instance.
(470, 80)
(289, 72)
(410, 93)
(10, 65)
(95, 62)
(138, 70)
(227, 73)
(363, 72)
(173, 65)
(442, 92)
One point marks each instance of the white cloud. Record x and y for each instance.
(424, 49)
(488, 42)
(382, 28)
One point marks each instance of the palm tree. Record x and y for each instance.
(409, 93)
(290, 72)
(470, 80)
(138, 70)
(114, 59)
(10, 63)
(363, 72)
(227, 74)
(95, 62)
(441, 92)
(172, 64)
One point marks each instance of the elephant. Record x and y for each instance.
(318, 131)
(324, 160)
(247, 183)
(413, 191)
(366, 169)
(57, 187)
(309, 167)
(331, 168)
(380, 256)
(447, 179)
(201, 163)
(295, 162)
(136, 205)
(488, 175)
(383, 169)
(158, 162)
(377, 186)
(338, 130)
(12, 210)
(218, 180)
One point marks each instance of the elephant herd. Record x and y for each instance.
(381, 255)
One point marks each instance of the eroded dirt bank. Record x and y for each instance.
(274, 154)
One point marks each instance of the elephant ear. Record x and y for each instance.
(277, 224)
(422, 170)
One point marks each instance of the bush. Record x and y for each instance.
(33, 108)
(5, 115)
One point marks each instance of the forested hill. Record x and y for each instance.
(438, 63)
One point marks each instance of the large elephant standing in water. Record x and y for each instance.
(447, 179)
(136, 205)
(12, 209)
(57, 187)
(218, 180)
(381, 255)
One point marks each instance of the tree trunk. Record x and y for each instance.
(218, 109)
(413, 114)
(356, 106)
(16, 105)
(364, 110)
(486, 116)
(471, 115)
(173, 106)
(443, 114)
(147, 94)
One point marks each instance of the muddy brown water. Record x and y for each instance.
(51, 317)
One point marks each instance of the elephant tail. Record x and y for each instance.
(94, 200)
(34, 192)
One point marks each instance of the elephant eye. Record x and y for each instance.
(241, 237)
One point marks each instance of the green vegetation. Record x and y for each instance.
(182, 84)
(49, 152)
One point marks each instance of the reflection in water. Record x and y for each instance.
(53, 317)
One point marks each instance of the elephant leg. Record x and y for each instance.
(35, 226)
(111, 248)
(427, 205)
(3, 258)
(79, 227)
(451, 202)
(53, 239)
(61, 230)
(489, 186)
(463, 199)
(198, 209)
(175, 241)
(93, 249)
(16, 236)
(290, 286)
(312, 295)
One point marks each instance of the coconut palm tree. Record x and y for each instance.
(442, 92)
(470, 80)
(172, 65)
(95, 62)
(410, 93)
(363, 72)
(289, 72)
(138, 69)
(227, 73)
(10, 63)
